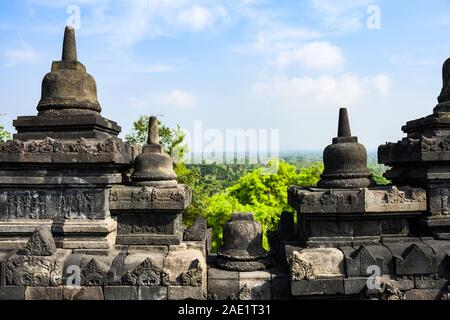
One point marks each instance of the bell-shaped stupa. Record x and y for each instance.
(345, 160)
(68, 108)
(153, 166)
(68, 87)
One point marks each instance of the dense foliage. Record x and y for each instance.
(4, 135)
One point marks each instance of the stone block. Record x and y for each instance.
(412, 258)
(149, 198)
(423, 294)
(152, 293)
(185, 293)
(254, 288)
(83, 293)
(12, 293)
(317, 263)
(436, 284)
(374, 200)
(91, 270)
(23, 270)
(354, 286)
(197, 231)
(4, 255)
(185, 267)
(144, 267)
(223, 289)
(44, 293)
(359, 260)
(121, 292)
(53, 203)
(280, 286)
(215, 273)
(222, 284)
(139, 228)
(85, 233)
(254, 275)
(317, 287)
(404, 284)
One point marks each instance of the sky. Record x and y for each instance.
(240, 64)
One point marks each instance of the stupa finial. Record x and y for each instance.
(69, 45)
(153, 131)
(444, 97)
(344, 124)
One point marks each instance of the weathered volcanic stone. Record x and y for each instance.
(44, 293)
(185, 267)
(25, 270)
(242, 245)
(317, 287)
(197, 231)
(121, 292)
(41, 243)
(345, 160)
(144, 267)
(222, 284)
(83, 293)
(317, 264)
(185, 293)
(12, 293)
(68, 86)
(255, 285)
(153, 166)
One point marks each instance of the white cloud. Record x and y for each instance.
(157, 68)
(178, 99)
(23, 54)
(325, 90)
(126, 23)
(382, 83)
(341, 16)
(314, 55)
(196, 18)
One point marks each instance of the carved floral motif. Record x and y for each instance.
(145, 274)
(395, 196)
(93, 275)
(192, 277)
(301, 269)
(143, 195)
(23, 270)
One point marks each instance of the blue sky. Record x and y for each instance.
(286, 65)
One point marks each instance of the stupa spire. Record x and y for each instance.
(69, 51)
(153, 131)
(344, 124)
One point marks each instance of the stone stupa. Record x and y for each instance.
(345, 160)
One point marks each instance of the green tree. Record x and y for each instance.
(263, 194)
(378, 170)
(4, 135)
